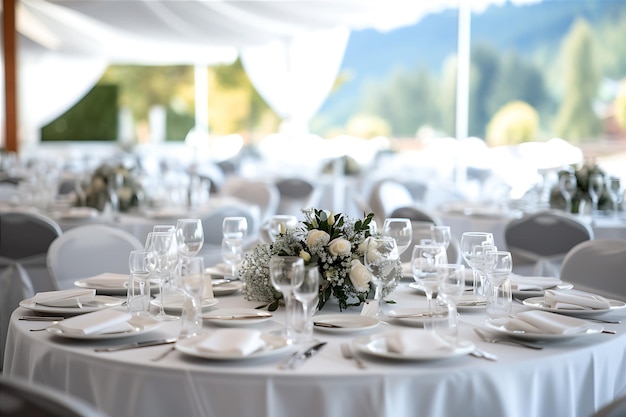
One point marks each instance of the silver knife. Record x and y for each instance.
(310, 352)
(138, 345)
(236, 317)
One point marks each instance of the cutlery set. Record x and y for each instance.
(300, 356)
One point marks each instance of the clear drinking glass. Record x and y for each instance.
(468, 241)
(401, 230)
(440, 235)
(425, 260)
(614, 189)
(381, 258)
(173, 253)
(450, 285)
(234, 231)
(286, 273)
(479, 273)
(138, 300)
(232, 254)
(191, 281)
(160, 263)
(189, 236)
(306, 295)
(498, 266)
(279, 223)
(567, 186)
(596, 187)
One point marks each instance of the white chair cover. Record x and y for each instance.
(542, 239)
(598, 266)
(296, 194)
(385, 196)
(212, 222)
(89, 250)
(262, 194)
(24, 241)
(416, 214)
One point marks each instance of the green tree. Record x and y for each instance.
(514, 123)
(485, 68)
(576, 119)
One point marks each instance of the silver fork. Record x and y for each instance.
(346, 352)
(486, 338)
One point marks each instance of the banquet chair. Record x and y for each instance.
(212, 222)
(89, 250)
(385, 196)
(21, 398)
(416, 214)
(616, 408)
(24, 241)
(539, 241)
(262, 194)
(597, 266)
(295, 195)
(421, 230)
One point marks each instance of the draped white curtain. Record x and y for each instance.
(295, 75)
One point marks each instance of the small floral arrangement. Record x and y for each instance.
(582, 174)
(334, 243)
(111, 182)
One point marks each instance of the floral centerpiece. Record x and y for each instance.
(109, 182)
(334, 243)
(582, 174)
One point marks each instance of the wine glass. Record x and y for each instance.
(498, 265)
(424, 262)
(191, 281)
(567, 186)
(307, 294)
(596, 186)
(401, 230)
(173, 253)
(440, 235)
(381, 258)
(138, 296)
(613, 188)
(189, 237)
(160, 264)
(450, 285)
(234, 230)
(468, 241)
(286, 273)
(279, 223)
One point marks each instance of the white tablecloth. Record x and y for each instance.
(568, 378)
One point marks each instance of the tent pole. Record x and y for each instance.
(10, 74)
(462, 79)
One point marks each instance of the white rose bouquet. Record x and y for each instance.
(334, 243)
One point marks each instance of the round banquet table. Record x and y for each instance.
(574, 377)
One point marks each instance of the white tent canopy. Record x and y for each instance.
(65, 45)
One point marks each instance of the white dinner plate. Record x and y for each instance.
(138, 325)
(274, 345)
(539, 293)
(347, 323)
(231, 316)
(376, 345)
(99, 302)
(539, 304)
(227, 288)
(173, 303)
(585, 330)
(414, 316)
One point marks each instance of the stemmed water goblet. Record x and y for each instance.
(160, 264)
(468, 241)
(567, 186)
(287, 273)
(173, 253)
(401, 230)
(440, 235)
(425, 260)
(234, 230)
(138, 299)
(279, 223)
(498, 267)
(191, 281)
(306, 294)
(189, 237)
(450, 285)
(614, 188)
(381, 258)
(596, 187)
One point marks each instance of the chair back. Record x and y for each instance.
(543, 239)
(262, 194)
(212, 222)
(89, 250)
(24, 241)
(597, 266)
(416, 214)
(295, 195)
(385, 196)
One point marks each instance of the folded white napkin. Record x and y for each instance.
(522, 283)
(107, 280)
(232, 341)
(575, 300)
(413, 341)
(537, 321)
(102, 321)
(64, 298)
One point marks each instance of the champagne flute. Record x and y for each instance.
(189, 237)
(424, 262)
(381, 258)
(307, 294)
(401, 230)
(567, 186)
(468, 241)
(596, 187)
(191, 281)
(279, 223)
(286, 273)
(160, 264)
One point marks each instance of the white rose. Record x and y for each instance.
(339, 247)
(363, 246)
(305, 256)
(359, 276)
(316, 236)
